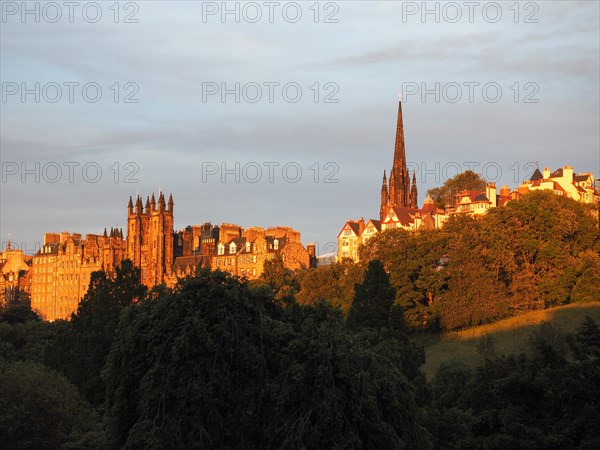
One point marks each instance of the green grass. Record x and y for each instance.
(509, 335)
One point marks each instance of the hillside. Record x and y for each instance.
(509, 335)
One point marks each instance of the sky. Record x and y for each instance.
(281, 113)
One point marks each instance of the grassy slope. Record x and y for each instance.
(509, 335)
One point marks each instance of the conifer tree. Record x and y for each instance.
(373, 299)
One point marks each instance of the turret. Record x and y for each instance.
(147, 209)
(384, 197)
(171, 203)
(414, 200)
(130, 206)
(153, 202)
(161, 202)
(138, 205)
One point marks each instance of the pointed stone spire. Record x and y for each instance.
(153, 202)
(385, 199)
(399, 190)
(138, 205)
(147, 204)
(171, 203)
(105, 234)
(161, 202)
(130, 205)
(399, 149)
(414, 200)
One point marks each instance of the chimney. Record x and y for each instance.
(490, 193)
(568, 173)
(50, 238)
(361, 226)
(546, 173)
(505, 191)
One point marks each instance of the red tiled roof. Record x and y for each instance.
(353, 226)
(375, 223)
(404, 214)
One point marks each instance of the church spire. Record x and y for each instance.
(399, 179)
(399, 150)
(414, 201)
(385, 198)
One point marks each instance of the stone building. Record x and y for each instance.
(15, 276)
(563, 181)
(150, 238)
(401, 192)
(61, 269)
(245, 255)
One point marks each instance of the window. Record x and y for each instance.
(221, 249)
(248, 246)
(347, 232)
(276, 244)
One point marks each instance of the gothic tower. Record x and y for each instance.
(399, 193)
(150, 238)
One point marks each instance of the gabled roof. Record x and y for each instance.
(352, 225)
(581, 178)
(481, 198)
(375, 223)
(473, 196)
(537, 175)
(183, 262)
(557, 173)
(404, 215)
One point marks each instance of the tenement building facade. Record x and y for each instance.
(61, 269)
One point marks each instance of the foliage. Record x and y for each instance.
(373, 299)
(333, 283)
(547, 400)
(281, 280)
(41, 409)
(81, 349)
(216, 363)
(16, 307)
(536, 252)
(444, 195)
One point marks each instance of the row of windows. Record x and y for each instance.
(230, 261)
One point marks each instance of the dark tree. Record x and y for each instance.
(373, 299)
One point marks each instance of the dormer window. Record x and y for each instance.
(221, 249)
(232, 248)
(276, 244)
(248, 246)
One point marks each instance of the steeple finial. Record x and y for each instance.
(171, 202)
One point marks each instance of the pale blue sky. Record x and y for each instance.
(371, 54)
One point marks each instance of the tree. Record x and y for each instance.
(217, 364)
(445, 194)
(281, 280)
(373, 299)
(334, 283)
(40, 409)
(87, 342)
(17, 307)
